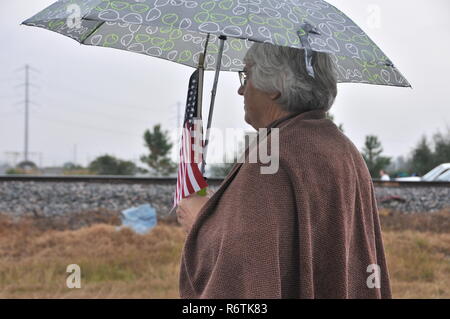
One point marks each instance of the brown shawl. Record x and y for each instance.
(309, 231)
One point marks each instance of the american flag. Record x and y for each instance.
(190, 179)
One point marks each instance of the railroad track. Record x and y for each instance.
(109, 179)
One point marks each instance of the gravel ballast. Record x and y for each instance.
(47, 199)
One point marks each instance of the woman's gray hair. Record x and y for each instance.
(282, 69)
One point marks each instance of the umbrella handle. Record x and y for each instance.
(304, 40)
(222, 39)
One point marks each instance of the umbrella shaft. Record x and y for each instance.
(201, 67)
(213, 97)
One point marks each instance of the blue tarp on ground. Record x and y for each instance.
(140, 219)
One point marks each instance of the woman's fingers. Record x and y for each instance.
(188, 209)
(180, 214)
(193, 203)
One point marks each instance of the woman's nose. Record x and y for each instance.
(241, 90)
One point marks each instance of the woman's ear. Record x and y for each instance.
(274, 96)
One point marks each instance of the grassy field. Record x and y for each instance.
(121, 264)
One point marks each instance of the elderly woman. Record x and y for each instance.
(310, 230)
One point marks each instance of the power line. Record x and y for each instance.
(83, 126)
(30, 68)
(104, 115)
(178, 115)
(12, 112)
(15, 155)
(101, 99)
(9, 80)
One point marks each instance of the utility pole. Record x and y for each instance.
(13, 156)
(75, 154)
(27, 100)
(178, 119)
(179, 124)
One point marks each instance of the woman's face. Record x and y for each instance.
(254, 101)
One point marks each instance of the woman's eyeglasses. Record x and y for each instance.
(243, 77)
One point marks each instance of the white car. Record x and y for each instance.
(440, 173)
(444, 177)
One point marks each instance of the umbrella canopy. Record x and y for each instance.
(177, 30)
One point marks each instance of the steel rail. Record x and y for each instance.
(112, 179)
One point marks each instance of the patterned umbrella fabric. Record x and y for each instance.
(176, 30)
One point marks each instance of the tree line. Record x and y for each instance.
(427, 154)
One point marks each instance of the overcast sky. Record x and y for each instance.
(99, 100)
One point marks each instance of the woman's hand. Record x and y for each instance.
(188, 209)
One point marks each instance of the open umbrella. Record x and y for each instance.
(177, 30)
(221, 31)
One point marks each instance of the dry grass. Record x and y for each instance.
(114, 264)
(419, 264)
(437, 222)
(34, 254)
(417, 247)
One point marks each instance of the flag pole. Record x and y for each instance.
(201, 70)
(222, 39)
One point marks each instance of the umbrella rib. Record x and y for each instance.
(93, 31)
